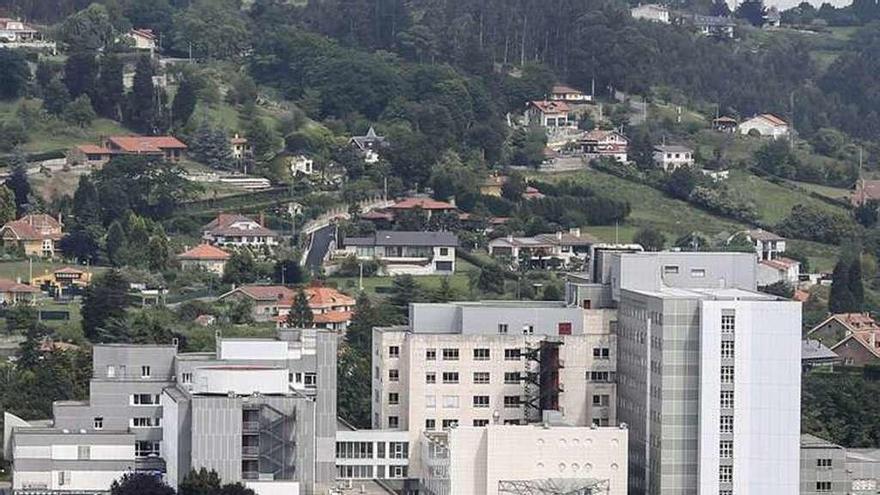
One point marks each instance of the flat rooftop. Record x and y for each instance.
(725, 294)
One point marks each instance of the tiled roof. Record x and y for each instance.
(143, 32)
(327, 297)
(402, 238)
(223, 225)
(7, 285)
(319, 297)
(600, 135)
(284, 295)
(551, 106)
(561, 88)
(763, 235)
(332, 317)
(35, 227)
(780, 263)
(92, 149)
(673, 148)
(423, 203)
(146, 144)
(68, 269)
(204, 252)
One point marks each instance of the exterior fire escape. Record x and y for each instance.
(268, 446)
(541, 386)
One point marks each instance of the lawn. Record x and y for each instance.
(19, 269)
(774, 201)
(827, 191)
(379, 285)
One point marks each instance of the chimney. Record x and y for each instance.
(559, 236)
(510, 238)
(262, 219)
(575, 231)
(59, 219)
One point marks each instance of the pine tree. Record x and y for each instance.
(86, 205)
(445, 292)
(210, 146)
(110, 94)
(105, 299)
(80, 111)
(116, 244)
(841, 298)
(855, 284)
(55, 97)
(142, 111)
(300, 315)
(20, 186)
(80, 73)
(184, 103)
(404, 290)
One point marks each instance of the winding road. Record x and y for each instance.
(320, 245)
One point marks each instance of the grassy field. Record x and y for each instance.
(827, 191)
(774, 201)
(379, 285)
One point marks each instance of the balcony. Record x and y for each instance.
(250, 450)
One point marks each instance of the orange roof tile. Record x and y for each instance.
(91, 149)
(551, 106)
(333, 317)
(423, 203)
(146, 144)
(204, 252)
(327, 297)
(7, 285)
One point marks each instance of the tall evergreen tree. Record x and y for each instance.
(142, 107)
(210, 146)
(841, 298)
(116, 244)
(80, 73)
(110, 94)
(86, 205)
(184, 103)
(55, 97)
(300, 315)
(106, 298)
(20, 186)
(855, 284)
(404, 290)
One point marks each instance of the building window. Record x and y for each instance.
(481, 401)
(430, 377)
(450, 402)
(449, 423)
(63, 477)
(481, 354)
(670, 270)
(393, 422)
(511, 377)
(725, 474)
(601, 400)
(601, 353)
(481, 377)
(823, 463)
(145, 400)
(502, 328)
(444, 251)
(728, 323)
(725, 449)
(698, 272)
(393, 375)
(393, 398)
(564, 328)
(83, 452)
(188, 377)
(146, 448)
(727, 374)
(430, 401)
(727, 349)
(450, 354)
(394, 351)
(512, 354)
(726, 399)
(511, 401)
(823, 486)
(430, 354)
(726, 424)
(111, 371)
(599, 376)
(145, 371)
(430, 424)
(99, 423)
(450, 377)
(481, 422)
(311, 380)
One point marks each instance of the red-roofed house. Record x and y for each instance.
(330, 308)
(548, 114)
(12, 292)
(561, 92)
(238, 230)
(143, 39)
(767, 125)
(778, 269)
(866, 190)
(601, 143)
(836, 327)
(204, 257)
(428, 205)
(89, 154)
(35, 234)
(167, 147)
(859, 349)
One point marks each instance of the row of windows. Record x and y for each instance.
(431, 424)
(479, 377)
(452, 354)
(364, 450)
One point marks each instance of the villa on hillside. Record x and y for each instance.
(167, 148)
(36, 234)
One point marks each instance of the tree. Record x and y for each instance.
(89, 29)
(855, 283)
(489, 278)
(212, 30)
(7, 205)
(104, 299)
(353, 386)
(445, 292)
(513, 188)
(240, 268)
(20, 318)
(404, 290)
(80, 73)
(235, 489)
(14, 74)
(109, 96)
(142, 108)
(752, 11)
(80, 111)
(55, 97)
(116, 244)
(650, 238)
(184, 103)
(210, 146)
(681, 183)
(300, 315)
(867, 213)
(86, 205)
(20, 186)
(552, 293)
(841, 298)
(263, 140)
(140, 484)
(201, 482)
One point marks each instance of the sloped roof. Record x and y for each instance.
(763, 235)
(672, 148)
(144, 33)
(362, 142)
(601, 135)
(34, 228)
(780, 263)
(7, 285)
(423, 203)
(562, 88)
(333, 317)
(854, 322)
(223, 225)
(146, 144)
(813, 349)
(91, 149)
(327, 297)
(265, 293)
(204, 252)
(546, 106)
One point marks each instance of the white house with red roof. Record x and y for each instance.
(561, 92)
(12, 292)
(548, 113)
(36, 234)
(166, 147)
(331, 309)
(600, 143)
(234, 230)
(144, 39)
(767, 125)
(204, 257)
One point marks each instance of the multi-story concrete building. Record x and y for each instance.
(260, 411)
(709, 375)
(828, 468)
(499, 459)
(470, 364)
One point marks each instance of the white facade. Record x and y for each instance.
(372, 454)
(670, 158)
(241, 380)
(478, 461)
(304, 165)
(765, 397)
(407, 260)
(765, 125)
(437, 376)
(651, 12)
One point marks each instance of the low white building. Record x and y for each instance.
(301, 164)
(778, 269)
(559, 250)
(561, 92)
(371, 454)
(600, 143)
(238, 230)
(651, 12)
(401, 252)
(670, 157)
(143, 39)
(502, 459)
(550, 114)
(766, 125)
